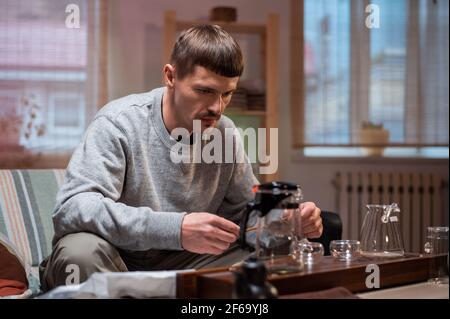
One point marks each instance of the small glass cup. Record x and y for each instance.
(345, 249)
(309, 252)
(437, 245)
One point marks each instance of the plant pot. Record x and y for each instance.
(375, 136)
(9, 138)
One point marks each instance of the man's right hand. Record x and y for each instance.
(205, 233)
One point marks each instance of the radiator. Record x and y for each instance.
(422, 198)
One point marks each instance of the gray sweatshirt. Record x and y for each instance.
(122, 185)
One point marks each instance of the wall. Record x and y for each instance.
(135, 43)
(316, 174)
(135, 63)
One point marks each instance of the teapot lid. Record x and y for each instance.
(273, 186)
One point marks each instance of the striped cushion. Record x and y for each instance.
(27, 200)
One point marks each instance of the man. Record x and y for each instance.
(125, 205)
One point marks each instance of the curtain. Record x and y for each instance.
(434, 68)
(360, 67)
(426, 88)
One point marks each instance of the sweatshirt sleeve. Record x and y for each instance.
(88, 199)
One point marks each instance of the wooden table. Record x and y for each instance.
(326, 273)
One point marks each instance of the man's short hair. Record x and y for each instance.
(208, 46)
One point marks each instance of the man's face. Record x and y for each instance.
(202, 95)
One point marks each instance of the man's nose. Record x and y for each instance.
(217, 106)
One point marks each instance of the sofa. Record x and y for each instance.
(27, 200)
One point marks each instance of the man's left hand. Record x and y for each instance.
(311, 221)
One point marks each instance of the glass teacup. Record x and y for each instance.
(345, 249)
(309, 252)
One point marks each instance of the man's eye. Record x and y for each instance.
(227, 94)
(202, 91)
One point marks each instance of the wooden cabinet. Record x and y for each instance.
(268, 34)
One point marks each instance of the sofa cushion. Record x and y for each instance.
(27, 200)
(13, 270)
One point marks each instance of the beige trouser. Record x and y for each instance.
(76, 256)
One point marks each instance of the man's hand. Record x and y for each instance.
(311, 221)
(205, 233)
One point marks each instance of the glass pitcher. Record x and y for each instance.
(380, 232)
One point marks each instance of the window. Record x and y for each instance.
(49, 71)
(327, 71)
(66, 113)
(388, 68)
(393, 75)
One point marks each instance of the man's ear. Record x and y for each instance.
(169, 75)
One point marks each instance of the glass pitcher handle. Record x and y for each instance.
(386, 214)
(428, 248)
(243, 228)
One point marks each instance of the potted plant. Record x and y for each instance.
(21, 121)
(373, 134)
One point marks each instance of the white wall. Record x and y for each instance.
(135, 62)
